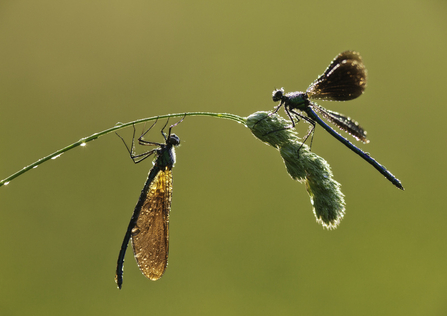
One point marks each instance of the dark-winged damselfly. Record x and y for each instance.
(344, 79)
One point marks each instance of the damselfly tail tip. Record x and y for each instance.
(119, 281)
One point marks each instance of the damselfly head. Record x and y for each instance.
(278, 94)
(173, 140)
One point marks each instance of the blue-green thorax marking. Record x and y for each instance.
(166, 152)
(295, 100)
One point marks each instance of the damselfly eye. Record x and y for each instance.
(277, 94)
(173, 140)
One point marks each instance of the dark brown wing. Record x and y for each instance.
(344, 79)
(150, 236)
(343, 122)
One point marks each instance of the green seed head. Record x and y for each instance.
(302, 165)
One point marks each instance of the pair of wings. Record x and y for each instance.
(150, 235)
(344, 79)
(149, 226)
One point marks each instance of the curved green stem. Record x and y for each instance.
(118, 126)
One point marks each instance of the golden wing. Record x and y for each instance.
(150, 236)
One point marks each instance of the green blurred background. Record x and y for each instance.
(244, 240)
